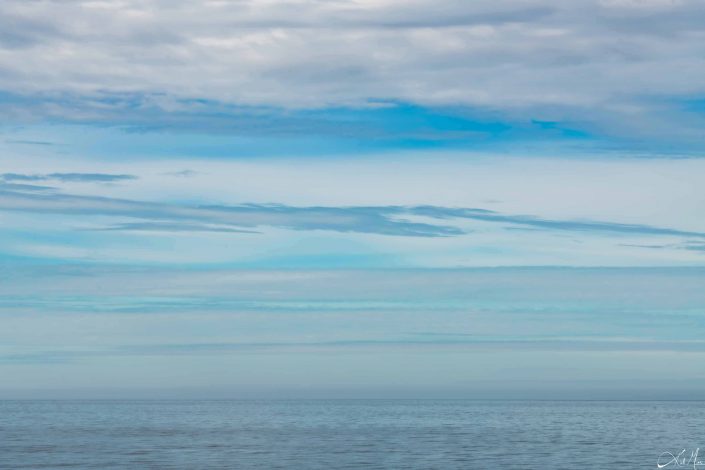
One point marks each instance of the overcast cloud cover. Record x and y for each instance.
(613, 69)
(268, 185)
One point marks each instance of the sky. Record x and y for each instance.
(352, 198)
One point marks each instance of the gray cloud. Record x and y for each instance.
(346, 219)
(68, 177)
(183, 173)
(170, 227)
(29, 142)
(476, 343)
(531, 221)
(23, 187)
(694, 246)
(610, 66)
(383, 220)
(689, 245)
(22, 177)
(89, 177)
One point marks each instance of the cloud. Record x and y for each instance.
(612, 68)
(169, 227)
(566, 225)
(346, 219)
(382, 220)
(375, 123)
(526, 344)
(694, 246)
(89, 177)
(68, 177)
(30, 142)
(182, 173)
(689, 245)
(136, 322)
(23, 187)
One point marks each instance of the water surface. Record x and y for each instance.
(327, 434)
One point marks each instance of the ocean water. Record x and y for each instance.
(340, 434)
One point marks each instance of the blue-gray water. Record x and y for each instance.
(336, 434)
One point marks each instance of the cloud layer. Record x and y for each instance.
(382, 220)
(623, 68)
(269, 329)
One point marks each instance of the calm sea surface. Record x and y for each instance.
(336, 434)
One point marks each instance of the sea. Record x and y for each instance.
(351, 434)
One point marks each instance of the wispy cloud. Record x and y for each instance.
(182, 173)
(30, 142)
(690, 245)
(137, 321)
(21, 187)
(341, 219)
(527, 344)
(68, 177)
(385, 220)
(547, 224)
(169, 227)
(694, 246)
